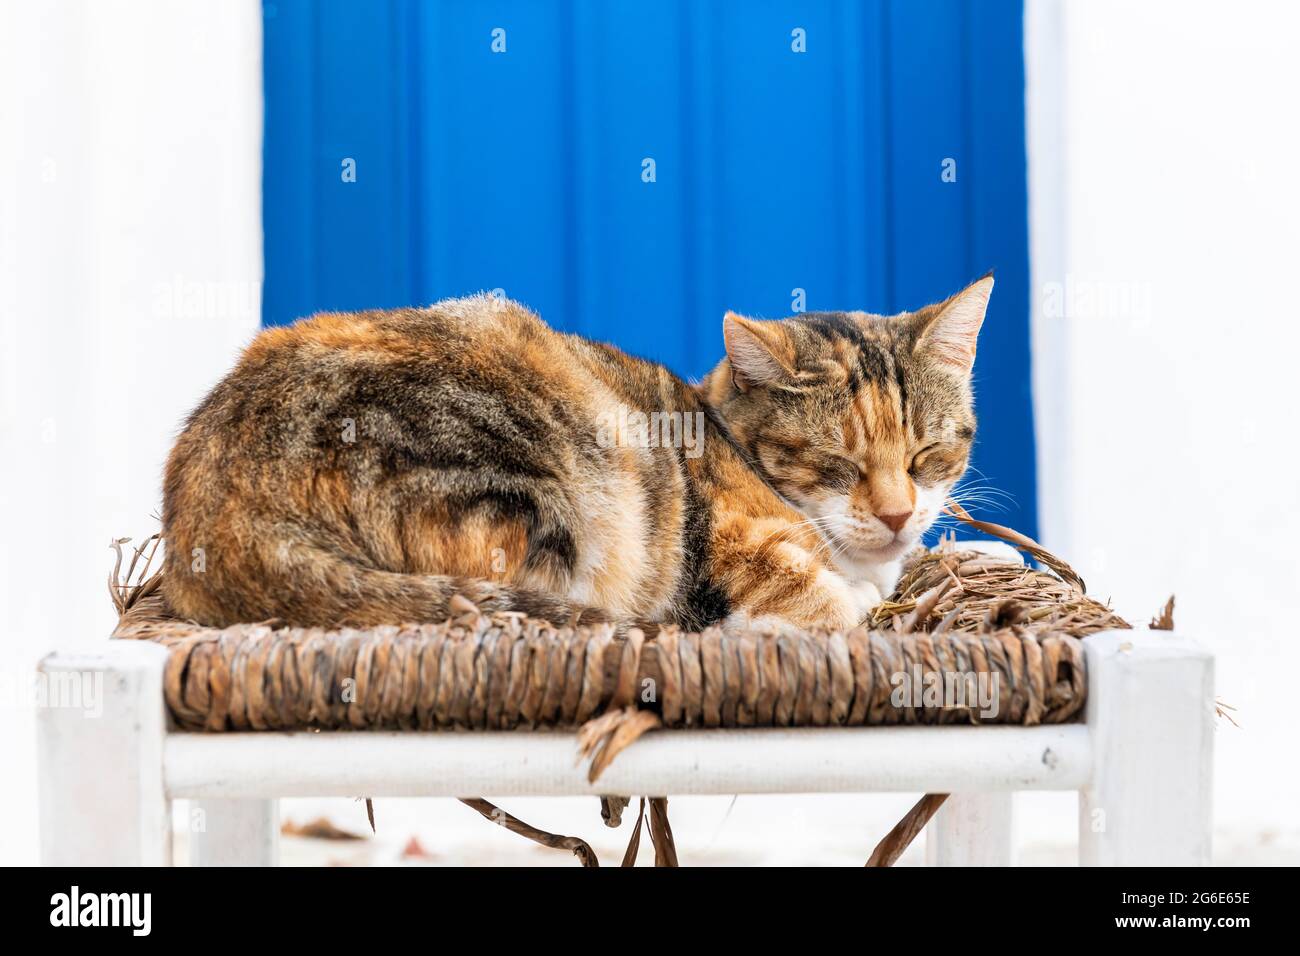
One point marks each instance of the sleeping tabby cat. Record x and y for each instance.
(363, 468)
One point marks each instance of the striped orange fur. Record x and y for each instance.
(362, 468)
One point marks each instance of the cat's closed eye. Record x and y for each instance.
(937, 462)
(840, 472)
(919, 459)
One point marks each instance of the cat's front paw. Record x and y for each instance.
(868, 598)
(741, 623)
(831, 603)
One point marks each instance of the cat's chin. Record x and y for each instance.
(858, 555)
(885, 555)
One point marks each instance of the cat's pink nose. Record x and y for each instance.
(895, 522)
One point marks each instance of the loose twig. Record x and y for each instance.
(1020, 541)
(1222, 709)
(126, 590)
(897, 840)
(1164, 621)
(634, 844)
(603, 738)
(661, 833)
(578, 847)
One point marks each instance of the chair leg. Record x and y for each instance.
(234, 832)
(971, 829)
(100, 731)
(1151, 720)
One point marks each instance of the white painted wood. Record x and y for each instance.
(1151, 714)
(233, 832)
(100, 737)
(971, 829)
(804, 760)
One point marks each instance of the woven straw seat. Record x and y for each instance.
(955, 612)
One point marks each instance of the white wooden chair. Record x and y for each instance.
(1140, 761)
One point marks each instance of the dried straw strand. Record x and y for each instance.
(661, 833)
(577, 846)
(1018, 540)
(1164, 621)
(634, 844)
(898, 839)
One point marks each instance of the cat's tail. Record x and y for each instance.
(318, 589)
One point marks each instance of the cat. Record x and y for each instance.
(363, 468)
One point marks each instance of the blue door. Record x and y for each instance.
(631, 171)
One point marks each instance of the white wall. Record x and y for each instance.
(1164, 204)
(130, 273)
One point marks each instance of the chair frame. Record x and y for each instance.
(1141, 762)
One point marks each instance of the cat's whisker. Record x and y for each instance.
(980, 494)
(980, 485)
(983, 498)
(974, 508)
(842, 547)
(815, 522)
(977, 504)
(985, 490)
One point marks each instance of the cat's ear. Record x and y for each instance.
(947, 332)
(760, 352)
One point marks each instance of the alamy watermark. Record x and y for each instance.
(55, 690)
(128, 910)
(946, 690)
(186, 298)
(623, 427)
(1083, 298)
